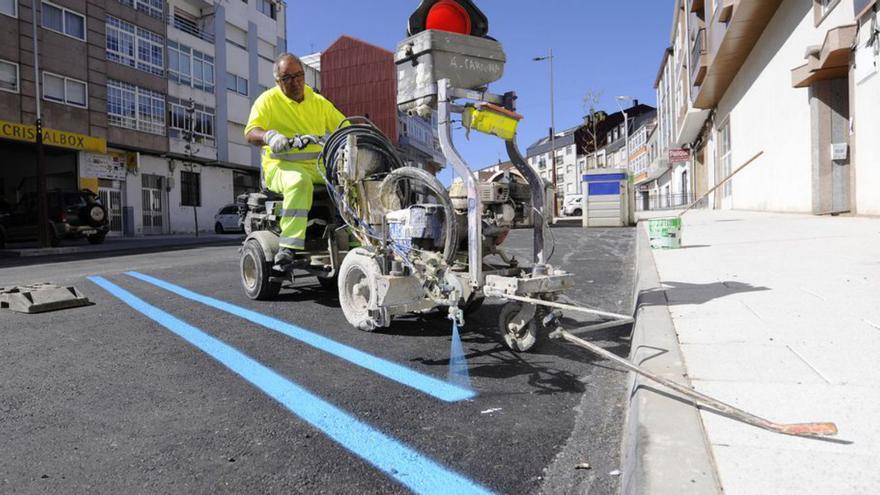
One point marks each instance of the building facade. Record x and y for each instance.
(361, 80)
(793, 80)
(150, 99)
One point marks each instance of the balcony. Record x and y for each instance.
(735, 28)
(828, 61)
(699, 58)
(190, 26)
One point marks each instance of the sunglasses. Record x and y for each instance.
(292, 77)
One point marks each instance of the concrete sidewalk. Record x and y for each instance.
(779, 314)
(119, 244)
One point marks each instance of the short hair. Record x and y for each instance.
(278, 59)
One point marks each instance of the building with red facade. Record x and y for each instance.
(361, 80)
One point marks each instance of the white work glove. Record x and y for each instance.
(277, 142)
(300, 142)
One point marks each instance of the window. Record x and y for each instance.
(267, 7)
(724, 154)
(9, 7)
(135, 107)
(201, 119)
(64, 21)
(134, 46)
(190, 189)
(8, 76)
(64, 90)
(237, 84)
(569, 150)
(152, 8)
(190, 67)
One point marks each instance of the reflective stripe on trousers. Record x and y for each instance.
(296, 184)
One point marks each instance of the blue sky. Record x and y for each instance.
(610, 46)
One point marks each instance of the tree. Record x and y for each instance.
(592, 118)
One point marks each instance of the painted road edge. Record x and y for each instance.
(407, 466)
(664, 450)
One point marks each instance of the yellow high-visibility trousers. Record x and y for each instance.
(296, 181)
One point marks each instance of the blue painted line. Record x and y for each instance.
(406, 465)
(435, 387)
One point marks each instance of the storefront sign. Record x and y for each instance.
(111, 166)
(678, 155)
(52, 137)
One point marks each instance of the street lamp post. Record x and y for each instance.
(549, 58)
(42, 199)
(625, 125)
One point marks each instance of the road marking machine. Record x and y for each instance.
(394, 241)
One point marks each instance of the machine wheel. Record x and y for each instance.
(2, 239)
(578, 213)
(255, 272)
(218, 228)
(358, 277)
(525, 339)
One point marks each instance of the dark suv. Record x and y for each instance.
(72, 215)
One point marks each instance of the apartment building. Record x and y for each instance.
(539, 155)
(144, 102)
(794, 79)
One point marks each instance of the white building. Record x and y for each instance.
(792, 79)
(569, 168)
(220, 58)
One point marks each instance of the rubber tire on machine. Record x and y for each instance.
(530, 336)
(2, 239)
(255, 271)
(218, 228)
(96, 239)
(358, 278)
(578, 213)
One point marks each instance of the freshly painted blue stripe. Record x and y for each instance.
(444, 391)
(604, 188)
(406, 465)
(604, 177)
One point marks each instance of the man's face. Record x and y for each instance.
(291, 79)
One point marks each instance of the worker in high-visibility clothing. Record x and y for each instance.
(281, 121)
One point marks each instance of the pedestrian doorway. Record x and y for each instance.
(110, 192)
(154, 200)
(829, 107)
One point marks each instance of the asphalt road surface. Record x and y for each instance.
(150, 391)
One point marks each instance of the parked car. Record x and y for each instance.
(72, 215)
(228, 220)
(574, 206)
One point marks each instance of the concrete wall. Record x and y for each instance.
(867, 127)
(216, 192)
(766, 113)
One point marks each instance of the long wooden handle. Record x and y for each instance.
(724, 181)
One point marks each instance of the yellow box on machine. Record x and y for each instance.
(492, 119)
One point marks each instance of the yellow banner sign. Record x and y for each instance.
(52, 137)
